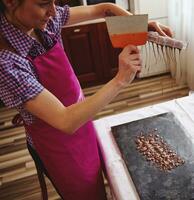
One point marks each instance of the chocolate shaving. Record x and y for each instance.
(156, 150)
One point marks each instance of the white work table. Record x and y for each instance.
(118, 176)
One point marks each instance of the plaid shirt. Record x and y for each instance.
(18, 80)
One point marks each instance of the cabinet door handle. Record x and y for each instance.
(77, 30)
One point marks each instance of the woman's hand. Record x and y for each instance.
(160, 28)
(129, 64)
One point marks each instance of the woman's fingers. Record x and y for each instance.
(160, 28)
(134, 56)
(129, 64)
(136, 62)
(167, 31)
(130, 56)
(129, 52)
(130, 49)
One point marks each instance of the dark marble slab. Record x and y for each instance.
(152, 183)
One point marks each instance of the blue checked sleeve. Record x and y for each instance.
(61, 18)
(17, 84)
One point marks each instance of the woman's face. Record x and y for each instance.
(32, 14)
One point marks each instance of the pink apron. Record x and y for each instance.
(72, 161)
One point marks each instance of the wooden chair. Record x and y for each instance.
(41, 171)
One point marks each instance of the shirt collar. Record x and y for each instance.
(20, 41)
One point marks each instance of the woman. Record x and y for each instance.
(36, 78)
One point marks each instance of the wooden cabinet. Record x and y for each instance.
(90, 52)
(71, 3)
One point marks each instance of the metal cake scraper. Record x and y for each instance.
(124, 30)
(133, 29)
